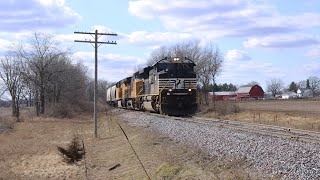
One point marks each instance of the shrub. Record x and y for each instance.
(6, 123)
(75, 151)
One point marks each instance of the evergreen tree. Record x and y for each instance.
(293, 87)
(232, 87)
(225, 87)
(216, 88)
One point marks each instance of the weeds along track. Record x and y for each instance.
(270, 130)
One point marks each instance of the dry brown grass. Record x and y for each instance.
(300, 114)
(29, 151)
(303, 106)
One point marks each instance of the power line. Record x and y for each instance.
(96, 45)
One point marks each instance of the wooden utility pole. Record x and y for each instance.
(96, 45)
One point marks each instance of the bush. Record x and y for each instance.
(60, 110)
(6, 123)
(75, 151)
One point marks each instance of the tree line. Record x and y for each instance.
(41, 73)
(276, 86)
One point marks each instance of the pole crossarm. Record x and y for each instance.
(108, 34)
(96, 45)
(84, 41)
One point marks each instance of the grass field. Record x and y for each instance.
(300, 114)
(29, 151)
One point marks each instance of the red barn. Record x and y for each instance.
(250, 92)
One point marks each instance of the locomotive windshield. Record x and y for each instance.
(185, 67)
(181, 70)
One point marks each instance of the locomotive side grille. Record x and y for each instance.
(170, 83)
(166, 84)
(190, 84)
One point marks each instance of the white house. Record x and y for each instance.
(289, 95)
(304, 93)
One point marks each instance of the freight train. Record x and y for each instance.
(167, 87)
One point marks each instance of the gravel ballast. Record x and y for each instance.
(274, 156)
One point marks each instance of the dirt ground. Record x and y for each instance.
(29, 151)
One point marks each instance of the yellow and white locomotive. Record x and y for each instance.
(167, 87)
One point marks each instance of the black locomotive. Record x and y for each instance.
(167, 87)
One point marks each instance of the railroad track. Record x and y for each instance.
(275, 131)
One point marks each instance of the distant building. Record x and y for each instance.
(289, 95)
(244, 92)
(223, 95)
(304, 93)
(250, 92)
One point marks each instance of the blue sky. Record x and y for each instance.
(260, 39)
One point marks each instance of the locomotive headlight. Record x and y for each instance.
(189, 90)
(170, 90)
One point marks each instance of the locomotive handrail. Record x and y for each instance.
(161, 92)
(139, 92)
(164, 87)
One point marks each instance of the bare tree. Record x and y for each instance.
(314, 84)
(41, 53)
(158, 54)
(190, 49)
(252, 83)
(301, 84)
(102, 89)
(10, 73)
(3, 90)
(214, 62)
(275, 86)
(209, 63)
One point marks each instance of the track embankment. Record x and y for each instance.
(281, 152)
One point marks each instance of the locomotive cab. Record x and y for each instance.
(176, 86)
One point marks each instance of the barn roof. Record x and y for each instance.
(225, 93)
(244, 89)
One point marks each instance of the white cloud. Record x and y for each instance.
(183, 8)
(312, 69)
(282, 41)
(111, 67)
(235, 55)
(220, 18)
(154, 39)
(4, 45)
(240, 68)
(313, 53)
(33, 15)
